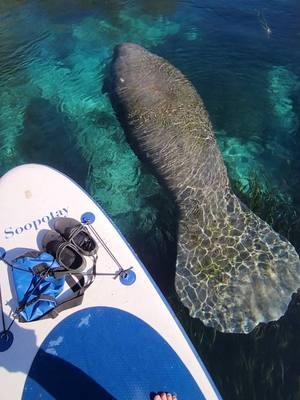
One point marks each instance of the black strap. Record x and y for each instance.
(78, 287)
(75, 231)
(73, 302)
(43, 270)
(40, 269)
(75, 285)
(21, 307)
(42, 297)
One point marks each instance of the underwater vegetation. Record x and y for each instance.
(268, 202)
(264, 142)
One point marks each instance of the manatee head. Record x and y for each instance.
(232, 271)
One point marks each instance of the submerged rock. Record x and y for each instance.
(233, 271)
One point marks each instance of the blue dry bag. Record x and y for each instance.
(36, 293)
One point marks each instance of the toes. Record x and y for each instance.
(161, 396)
(165, 396)
(171, 396)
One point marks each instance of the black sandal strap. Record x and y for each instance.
(59, 252)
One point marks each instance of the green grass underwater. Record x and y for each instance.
(243, 58)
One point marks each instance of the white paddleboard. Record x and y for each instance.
(122, 342)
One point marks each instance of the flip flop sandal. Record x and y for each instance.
(66, 253)
(77, 234)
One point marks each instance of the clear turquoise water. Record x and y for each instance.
(244, 59)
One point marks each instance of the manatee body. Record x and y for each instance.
(233, 271)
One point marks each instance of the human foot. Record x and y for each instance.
(165, 396)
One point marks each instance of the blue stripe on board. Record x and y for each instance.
(105, 353)
(154, 284)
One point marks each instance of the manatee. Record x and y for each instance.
(233, 270)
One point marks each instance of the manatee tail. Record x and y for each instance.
(233, 270)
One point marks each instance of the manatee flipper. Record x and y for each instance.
(233, 271)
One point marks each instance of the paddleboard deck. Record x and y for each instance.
(122, 342)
